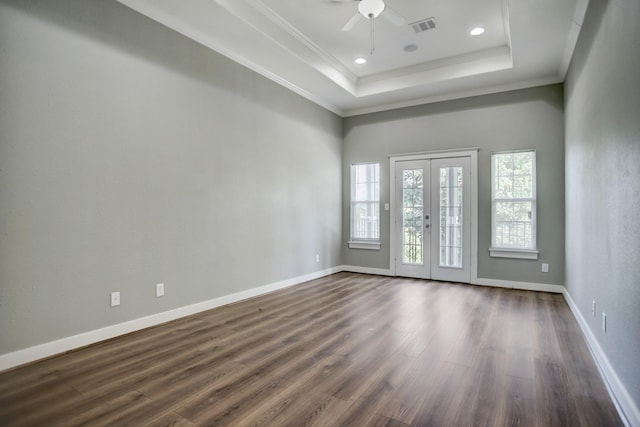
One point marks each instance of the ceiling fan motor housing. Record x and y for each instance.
(370, 8)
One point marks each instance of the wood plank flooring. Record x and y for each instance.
(344, 350)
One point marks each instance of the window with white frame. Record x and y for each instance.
(513, 204)
(365, 206)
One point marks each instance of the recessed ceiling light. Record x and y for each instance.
(360, 61)
(476, 31)
(410, 48)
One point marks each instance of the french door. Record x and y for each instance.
(432, 210)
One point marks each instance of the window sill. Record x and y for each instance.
(360, 244)
(513, 253)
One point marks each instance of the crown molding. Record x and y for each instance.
(449, 96)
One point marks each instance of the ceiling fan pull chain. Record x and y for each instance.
(372, 34)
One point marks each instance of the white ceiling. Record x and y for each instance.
(300, 44)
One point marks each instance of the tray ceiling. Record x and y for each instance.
(301, 45)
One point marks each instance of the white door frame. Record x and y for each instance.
(472, 153)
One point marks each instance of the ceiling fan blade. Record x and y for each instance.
(352, 22)
(393, 16)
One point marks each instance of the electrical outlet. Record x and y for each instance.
(115, 299)
(593, 308)
(545, 267)
(160, 290)
(317, 257)
(604, 322)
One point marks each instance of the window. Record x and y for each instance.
(513, 205)
(365, 206)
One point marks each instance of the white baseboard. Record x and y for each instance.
(31, 354)
(525, 286)
(367, 270)
(627, 408)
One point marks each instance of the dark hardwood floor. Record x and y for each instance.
(347, 349)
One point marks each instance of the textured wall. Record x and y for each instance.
(130, 155)
(603, 181)
(531, 118)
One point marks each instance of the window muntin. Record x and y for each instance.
(365, 202)
(513, 209)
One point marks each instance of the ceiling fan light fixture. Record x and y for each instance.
(370, 8)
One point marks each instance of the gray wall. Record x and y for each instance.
(603, 181)
(130, 155)
(531, 118)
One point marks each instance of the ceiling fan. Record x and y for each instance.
(371, 9)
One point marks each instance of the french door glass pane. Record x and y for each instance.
(451, 243)
(412, 216)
